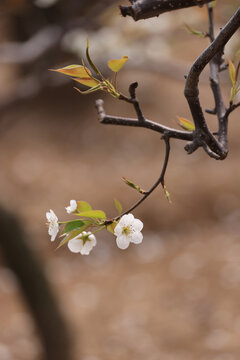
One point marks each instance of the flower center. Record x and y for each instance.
(126, 230)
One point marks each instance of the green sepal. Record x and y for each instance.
(74, 233)
(111, 227)
(89, 91)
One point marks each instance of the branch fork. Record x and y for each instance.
(215, 144)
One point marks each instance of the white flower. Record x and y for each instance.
(73, 207)
(128, 230)
(83, 243)
(53, 224)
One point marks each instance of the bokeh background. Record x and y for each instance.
(174, 297)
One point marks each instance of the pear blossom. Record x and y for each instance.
(53, 226)
(73, 207)
(128, 230)
(82, 243)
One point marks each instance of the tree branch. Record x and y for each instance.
(133, 100)
(220, 108)
(144, 9)
(192, 92)
(148, 124)
(160, 180)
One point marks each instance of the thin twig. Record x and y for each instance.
(160, 180)
(231, 108)
(133, 100)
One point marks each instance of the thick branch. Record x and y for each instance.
(191, 88)
(144, 9)
(220, 109)
(148, 124)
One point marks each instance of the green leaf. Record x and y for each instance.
(72, 225)
(83, 206)
(78, 71)
(212, 4)
(111, 227)
(90, 82)
(167, 194)
(194, 31)
(234, 91)
(93, 66)
(93, 214)
(186, 124)
(232, 72)
(116, 64)
(133, 185)
(237, 53)
(118, 206)
(237, 71)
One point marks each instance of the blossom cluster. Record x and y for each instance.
(126, 228)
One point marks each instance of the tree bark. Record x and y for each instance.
(144, 9)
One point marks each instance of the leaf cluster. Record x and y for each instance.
(84, 75)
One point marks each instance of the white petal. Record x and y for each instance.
(75, 245)
(92, 238)
(51, 216)
(48, 216)
(126, 220)
(88, 247)
(118, 230)
(54, 216)
(137, 225)
(136, 237)
(73, 206)
(122, 242)
(53, 230)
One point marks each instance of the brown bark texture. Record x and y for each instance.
(144, 9)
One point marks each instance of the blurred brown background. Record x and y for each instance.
(174, 297)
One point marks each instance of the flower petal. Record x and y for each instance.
(51, 216)
(88, 245)
(136, 237)
(122, 242)
(53, 230)
(75, 245)
(92, 239)
(137, 225)
(72, 207)
(118, 230)
(126, 220)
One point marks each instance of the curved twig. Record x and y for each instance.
(160, 180)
